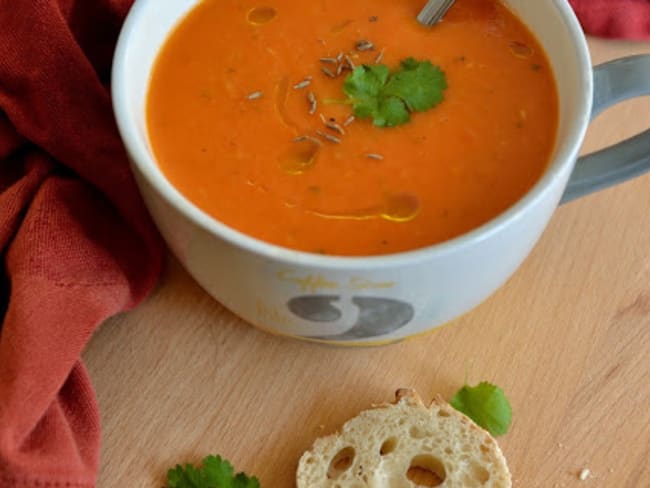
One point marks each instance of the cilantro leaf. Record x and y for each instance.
(242, 481)
(389, 98)
(364, 87)
(414, 82)
(391, 111)
(215, 473)
(366, 81)
(485, 404)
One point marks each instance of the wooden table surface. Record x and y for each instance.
(568, 338)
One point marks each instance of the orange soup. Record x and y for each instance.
(249, 118)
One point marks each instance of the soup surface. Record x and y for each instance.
(248, 118)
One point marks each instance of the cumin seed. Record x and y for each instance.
(339, 57)
(255, 95)
(328, 60)
(313, 103)
(302, 84)
(349, 120)
(335, 127)
(308, 138)
(375, 156)
(351, 64)
(315, 140)
(339, 69)
(328, 137)
(364, 45)
(328, 72)
(380, 56)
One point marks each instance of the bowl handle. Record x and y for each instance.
(614, 82)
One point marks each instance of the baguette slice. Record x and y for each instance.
(406, 445)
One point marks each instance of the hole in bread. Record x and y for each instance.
(388, 446)
(341, 463)
(417, 433)
(426, 470)
(479, 473)
(443, 413)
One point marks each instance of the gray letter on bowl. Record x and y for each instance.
(377, 316)
(315, 308)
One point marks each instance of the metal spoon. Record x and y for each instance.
(433, 11)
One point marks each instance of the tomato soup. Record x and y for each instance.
(248, 118)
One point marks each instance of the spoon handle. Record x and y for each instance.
(433, 11)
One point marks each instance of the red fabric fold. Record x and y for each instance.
(75, 240)
(629, 19)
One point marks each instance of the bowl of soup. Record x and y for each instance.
(337, 172)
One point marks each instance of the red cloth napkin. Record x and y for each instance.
(614, 18)
(76, 245)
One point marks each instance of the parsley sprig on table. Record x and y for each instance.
(389, 98)
(485, 404)
(215, 473)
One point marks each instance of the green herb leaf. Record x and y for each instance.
(215, 473)
(366, 81)
(388, 98)
(391, 111)
(485, 404)
(419, 84)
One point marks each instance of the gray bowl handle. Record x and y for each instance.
(614, 82)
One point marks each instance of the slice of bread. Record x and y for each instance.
(406, 445)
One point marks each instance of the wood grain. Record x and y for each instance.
(568, 338)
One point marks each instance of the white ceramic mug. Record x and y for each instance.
(380, 299)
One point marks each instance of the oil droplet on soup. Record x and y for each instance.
(338, 28)
(400, 208)
(521, 50)
(280, 104)
(300, 156)
(261, 15)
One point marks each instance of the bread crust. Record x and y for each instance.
(405, 444)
